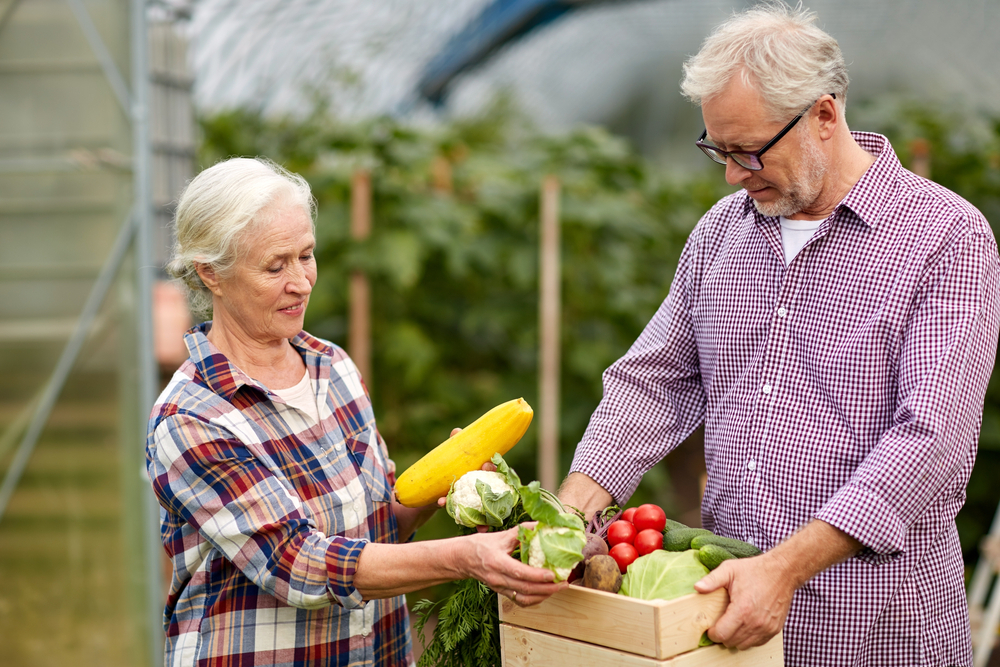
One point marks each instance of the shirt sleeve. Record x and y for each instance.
(653, 396)
(204, 474)
(945, 362)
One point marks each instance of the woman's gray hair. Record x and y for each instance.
(217, 210)
(778, 51)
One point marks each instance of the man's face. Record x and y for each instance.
(795, 168)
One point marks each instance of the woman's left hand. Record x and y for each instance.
(488, 466)
(489, 561)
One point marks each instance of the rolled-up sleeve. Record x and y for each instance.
(653, 396)
(204, 474)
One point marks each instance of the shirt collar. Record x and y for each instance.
(225, 379)
(869, 195)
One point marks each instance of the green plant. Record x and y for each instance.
(453, 258)
(453, 263)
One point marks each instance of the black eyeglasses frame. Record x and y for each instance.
(752, 158)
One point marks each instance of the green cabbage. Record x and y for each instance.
(663, 575)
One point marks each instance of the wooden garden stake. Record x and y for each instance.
(548, 320)
(359, 318)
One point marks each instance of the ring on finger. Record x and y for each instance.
(513, 596)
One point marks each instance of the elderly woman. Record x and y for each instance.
(275, 486)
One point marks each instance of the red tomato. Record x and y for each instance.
(647, 541)
(649, 516)
(623, 553)
(627, 514)
(620, 532)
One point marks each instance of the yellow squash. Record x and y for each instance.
(495, 432)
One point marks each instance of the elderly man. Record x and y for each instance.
(833, 325)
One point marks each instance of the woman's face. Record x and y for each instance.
(265, 298)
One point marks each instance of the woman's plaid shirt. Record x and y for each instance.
(265, 513)
(847, 386)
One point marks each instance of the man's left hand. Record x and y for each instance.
(759, 600)
(761, 588)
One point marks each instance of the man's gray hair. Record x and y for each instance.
(219, 208)
(778, 51)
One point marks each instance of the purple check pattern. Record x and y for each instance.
(847, 386)
(265, 513)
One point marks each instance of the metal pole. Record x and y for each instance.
(359, 333)
(148, 375)
(104, 56)
(65, 363)
(548, 318)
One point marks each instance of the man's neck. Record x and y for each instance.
(848, 163)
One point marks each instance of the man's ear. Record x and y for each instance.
(209, 277)
(828, 115)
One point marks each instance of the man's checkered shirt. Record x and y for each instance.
(847, 386)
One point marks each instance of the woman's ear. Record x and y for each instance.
(209, 277)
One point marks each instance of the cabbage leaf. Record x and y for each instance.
(663, 575)
(557, 540)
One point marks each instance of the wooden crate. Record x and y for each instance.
(580, 626)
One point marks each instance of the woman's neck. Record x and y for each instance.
(274, 363)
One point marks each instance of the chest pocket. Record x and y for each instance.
(366, 450)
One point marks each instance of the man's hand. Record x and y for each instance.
(759, 600)
(583, 493)
(761, 588)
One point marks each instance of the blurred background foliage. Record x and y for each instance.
(453, 259)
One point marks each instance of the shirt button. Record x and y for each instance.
(782, 311)
(357, 506)
(751, 465)
(766, 389)
(339, 446)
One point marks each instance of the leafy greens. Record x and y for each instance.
(557, 540)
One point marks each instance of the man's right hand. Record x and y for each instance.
(583, 493)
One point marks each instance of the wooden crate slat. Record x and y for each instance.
(523, 647)
(529, 648)
(594, 616)
(770, 654)
(654, 628)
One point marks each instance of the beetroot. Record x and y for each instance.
(596, 546)
(597, 533)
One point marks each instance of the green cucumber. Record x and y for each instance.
(712, 555)
(735, 547)
(680, 538)
(673, 525)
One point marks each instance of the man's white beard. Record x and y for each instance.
(804, 188)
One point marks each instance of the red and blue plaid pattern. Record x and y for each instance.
(847, 386)
(265, 513)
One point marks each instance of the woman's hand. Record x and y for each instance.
(409, 519)
(488, 560)
(488, 466)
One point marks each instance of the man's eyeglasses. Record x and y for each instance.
(748, 159)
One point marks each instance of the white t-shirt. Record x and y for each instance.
(301, 396)
(795, 234)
